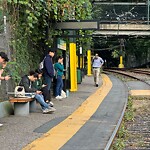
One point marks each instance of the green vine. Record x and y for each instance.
(31, 30)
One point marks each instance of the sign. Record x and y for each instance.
(61, 44)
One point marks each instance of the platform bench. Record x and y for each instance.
(23, 106)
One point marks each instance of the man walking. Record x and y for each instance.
(97, 64)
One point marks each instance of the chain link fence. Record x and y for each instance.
(5, 86)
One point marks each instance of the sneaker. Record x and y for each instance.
(58, 97)
(1, 124)
(50, 104)
(96, 85)
(49, 110)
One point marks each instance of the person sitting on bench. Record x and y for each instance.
(38, 84)
(27, 82)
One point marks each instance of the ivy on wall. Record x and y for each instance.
(30, 29)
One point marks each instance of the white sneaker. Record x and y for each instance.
(51, 104)
(1, 124)
(49, 110)
(58, 97)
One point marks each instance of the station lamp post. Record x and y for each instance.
(148, 4)
(121, 44)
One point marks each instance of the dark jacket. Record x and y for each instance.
(48, 66)
(27, 84)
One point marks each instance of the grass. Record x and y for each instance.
(122, 135)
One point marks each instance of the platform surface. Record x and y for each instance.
(20, 131)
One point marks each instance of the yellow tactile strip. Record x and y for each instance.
(60, 134)
(139, 92)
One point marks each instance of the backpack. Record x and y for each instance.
(41, 65)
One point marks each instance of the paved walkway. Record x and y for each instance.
(92, 118)
(17, 132)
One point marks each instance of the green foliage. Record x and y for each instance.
(128, 116)
(115, 54)
(122, 135)
(31, 30)
(119, 145)
(13, 69)
(122, 132)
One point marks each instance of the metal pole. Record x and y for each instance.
(148, 3)
(5, 24)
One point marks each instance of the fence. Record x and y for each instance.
(5, 86)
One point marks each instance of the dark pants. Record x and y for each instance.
(59, 86)
(46, 93)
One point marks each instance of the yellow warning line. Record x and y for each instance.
(140, 92)
(60, 134)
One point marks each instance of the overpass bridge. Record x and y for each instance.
(115, 18)
(121, 29)
(106, 28)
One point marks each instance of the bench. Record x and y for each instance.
(23, 106)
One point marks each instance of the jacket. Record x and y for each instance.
(27, 84)
(48, 66)
(37, 84)
(59, 69)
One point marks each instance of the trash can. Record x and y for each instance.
(79, 77)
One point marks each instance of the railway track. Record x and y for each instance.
(140, 71)
(126, 73)
(139, 131)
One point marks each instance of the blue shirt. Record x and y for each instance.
(97, 62)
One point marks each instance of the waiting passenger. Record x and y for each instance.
(97, 63)
(38, 84)
(48, 70)
(59, 68)
(27, 83)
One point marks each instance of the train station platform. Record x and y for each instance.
(84, 120)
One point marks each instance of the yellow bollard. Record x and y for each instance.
(121, 62)
(73, 67)
(89, 63)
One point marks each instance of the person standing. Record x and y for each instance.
(3, 63)
(59, 68)
(48, 70)
(96, 65)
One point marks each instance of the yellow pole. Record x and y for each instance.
(121, 62)
(73, 67)
(89, 63)
(120, 59)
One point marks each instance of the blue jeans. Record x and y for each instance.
(59, 86)
(48, 81)
(40, 99)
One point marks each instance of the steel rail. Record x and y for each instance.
(114, 71)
